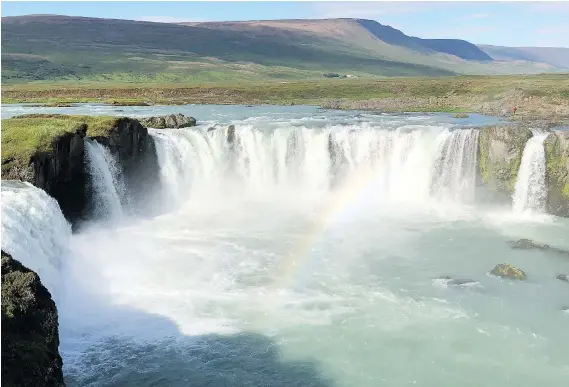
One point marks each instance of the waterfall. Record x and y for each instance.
(404, 164)
(34, 230)
(455, 169)
(530, 192)
(107, 186)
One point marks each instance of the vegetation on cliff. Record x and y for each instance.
(557, 172)
(30, 332)
(23, 136)
(501, 148)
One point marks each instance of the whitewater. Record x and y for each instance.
(311, 250)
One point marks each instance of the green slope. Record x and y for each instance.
(59, 47)
(48, 48)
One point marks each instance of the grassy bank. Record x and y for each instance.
(537, 95)
(25, 135)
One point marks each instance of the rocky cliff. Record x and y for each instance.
(61, 172)
(30, 330)
(557, 172)
(500, 153)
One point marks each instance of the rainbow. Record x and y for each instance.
(336, 204)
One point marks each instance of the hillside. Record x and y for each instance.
(555, 56)
(60, 48)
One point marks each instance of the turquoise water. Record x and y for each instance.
(260, 273)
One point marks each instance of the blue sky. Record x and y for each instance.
(498, 23)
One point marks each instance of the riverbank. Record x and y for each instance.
(535, 96)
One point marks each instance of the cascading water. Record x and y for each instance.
(107, 185)
(404, 164)
(34, 231)
(308, 249)
(530, 192)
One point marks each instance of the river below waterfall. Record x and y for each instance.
(275, 264)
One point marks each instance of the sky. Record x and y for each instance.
(544, 24)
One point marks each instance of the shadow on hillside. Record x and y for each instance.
(173, 359)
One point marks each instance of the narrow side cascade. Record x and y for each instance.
(107, 188)
(530, 192)
(34, 230)
(405, 164)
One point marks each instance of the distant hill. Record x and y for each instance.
(460, 48)
(55, 48)
(555, 56)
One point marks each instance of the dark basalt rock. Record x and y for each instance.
(135, 151)
(170, 121)
(61, 173)
(231, 134)
(30, 332)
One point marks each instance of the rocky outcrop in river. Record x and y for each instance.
(30, 330)
(500, 154)
(170, 121)
(557, 172)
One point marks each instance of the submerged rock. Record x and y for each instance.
(505, 270)
(563, 277)
(527, 244)
(449, 281)
(30, 332)
(170, 121)
(460, 115)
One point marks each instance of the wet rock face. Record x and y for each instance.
(505, 270)
(61, 173)
(501, 148)
(557, 172)
(30, 332)
(170, 121)
(135, 151)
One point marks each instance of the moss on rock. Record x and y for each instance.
(23, 136)
(30, 333)
(557, 172)
(505, 270)
(500, 154)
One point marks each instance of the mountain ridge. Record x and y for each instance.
(57, 47)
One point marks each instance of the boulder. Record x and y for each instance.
(170, 121)
(30, 331)
(505, 270)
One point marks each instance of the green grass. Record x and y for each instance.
(23, 136)
(275, 92)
